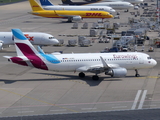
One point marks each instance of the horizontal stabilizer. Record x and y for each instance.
(8, 57)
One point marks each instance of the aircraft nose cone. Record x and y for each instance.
(111, 16)
(154, 62)
(55, 41)
(113, 10)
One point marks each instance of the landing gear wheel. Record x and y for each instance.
(95, 77)
(137, 75)
(81, 75)
(69, 20)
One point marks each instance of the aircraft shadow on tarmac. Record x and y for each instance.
(88, 80)
(56, 21)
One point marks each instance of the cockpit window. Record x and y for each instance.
(149, 58)
(51, 37)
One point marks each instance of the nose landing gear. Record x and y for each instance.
(137, 75)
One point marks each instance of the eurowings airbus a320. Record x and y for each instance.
(114, 64)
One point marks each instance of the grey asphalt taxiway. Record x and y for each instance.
(27, 91)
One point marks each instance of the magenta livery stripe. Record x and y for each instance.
(19, 61)
(34, 59)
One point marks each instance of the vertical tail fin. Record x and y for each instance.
(35, 6)
(46, 3)
(23, 46)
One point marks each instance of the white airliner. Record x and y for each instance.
(114, 64)
(47, 5)
(36, 38)
(131, 1)
(115, 5)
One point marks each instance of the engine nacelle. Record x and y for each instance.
(76, 18)
(1, 45)
(117, 72)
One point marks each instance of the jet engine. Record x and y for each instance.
(117, 72)
(76, 18)
(1, 45)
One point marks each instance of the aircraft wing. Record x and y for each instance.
(98, 68)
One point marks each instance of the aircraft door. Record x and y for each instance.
(141, 61)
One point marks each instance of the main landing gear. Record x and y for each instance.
(69, 20)
(94, 77)
(81, 75)
(137, 75)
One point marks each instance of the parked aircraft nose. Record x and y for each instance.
(55, 42)
(140, 0)
(110, 16)
(112, 10)
(131, 5)
(154, 62)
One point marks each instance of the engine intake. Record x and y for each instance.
(117, 72)
(1, 45)
(76, 18)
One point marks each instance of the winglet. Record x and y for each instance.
(46, 3)
(40, 50)
(104, 63)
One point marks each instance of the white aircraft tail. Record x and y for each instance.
(23, 46)
(26, 51)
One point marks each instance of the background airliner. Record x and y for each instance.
(131, 1)
(114, 5)
(69, 2)
(36, 38)
(70, 15)
(114, 64)
(47, 5)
